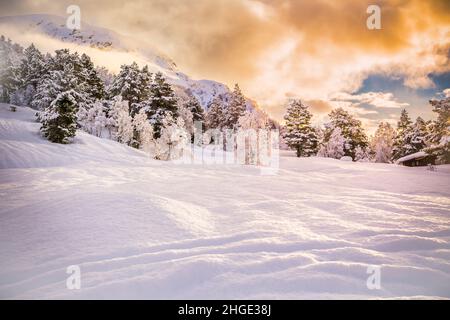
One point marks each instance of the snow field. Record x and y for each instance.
(141, 228)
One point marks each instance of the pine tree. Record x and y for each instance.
(439, 135)
(59, 118)
(198, 114)
(132, 84)
(382, 143)
(32, 66)
(91, 83)
(63, 75)
(215, 116)
(419, 135)
(299, 134)
(351, 130)
(10, 80)
(402, 143)
(236, 108)
(162, 101)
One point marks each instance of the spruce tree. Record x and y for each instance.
(439, 135)
(132, 84)
(350, 128)
(402, 143)
(162, 101)
(215, 116)
(418, 135)
(299, 134)
(236, 108)
(92, 84)
(59, 118)
(198, 114)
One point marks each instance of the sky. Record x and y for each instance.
(319, 51)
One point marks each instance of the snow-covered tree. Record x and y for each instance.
(143, 131)
(30, 71)
(215, 116)
(59, 118)
(115, 107)
(185, 113)
(63, 75)
(382, 143)
(125, 128)
(91, 83)
(173, 141)
(350, 128)
(93, 120)
(403, 141)
(161, 103)
(299, 134)
(236, 108)
(10, 80)
(362, 154)
(132, 84)
(439, 135)
(419, 135)
(335, 145)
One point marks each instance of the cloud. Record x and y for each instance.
(376, 99)
(278, 49)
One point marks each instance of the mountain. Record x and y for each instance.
(43, 30)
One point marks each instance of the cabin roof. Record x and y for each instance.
(417, 155)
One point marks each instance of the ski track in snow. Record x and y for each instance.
(140, 228)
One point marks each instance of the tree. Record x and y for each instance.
(419, 135)
(118, 120)
(439, 135)
(59, 118)
(91, 83)
(335, 145)
(402, 143)
(10, 81)
(382, 143)
(173, 140)
(63, 75)
(31, 70)
(299, 134)
(350, 129)
(162, 101)
(215, 116)
(93, 120)
(132, 84)
(143, 131)
(236, 108)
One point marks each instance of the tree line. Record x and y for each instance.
(344, 135)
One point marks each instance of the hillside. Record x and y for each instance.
(141, 228)
(49, 33)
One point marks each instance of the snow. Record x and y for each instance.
(141, 228)
(419, 154)
(101, 44)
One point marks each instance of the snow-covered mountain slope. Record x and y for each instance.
(141, 228)
(38, 28)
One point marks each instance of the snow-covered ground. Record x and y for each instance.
(141, 228)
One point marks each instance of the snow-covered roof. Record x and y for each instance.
(416, 155)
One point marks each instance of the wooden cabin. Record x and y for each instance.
(417, 159)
